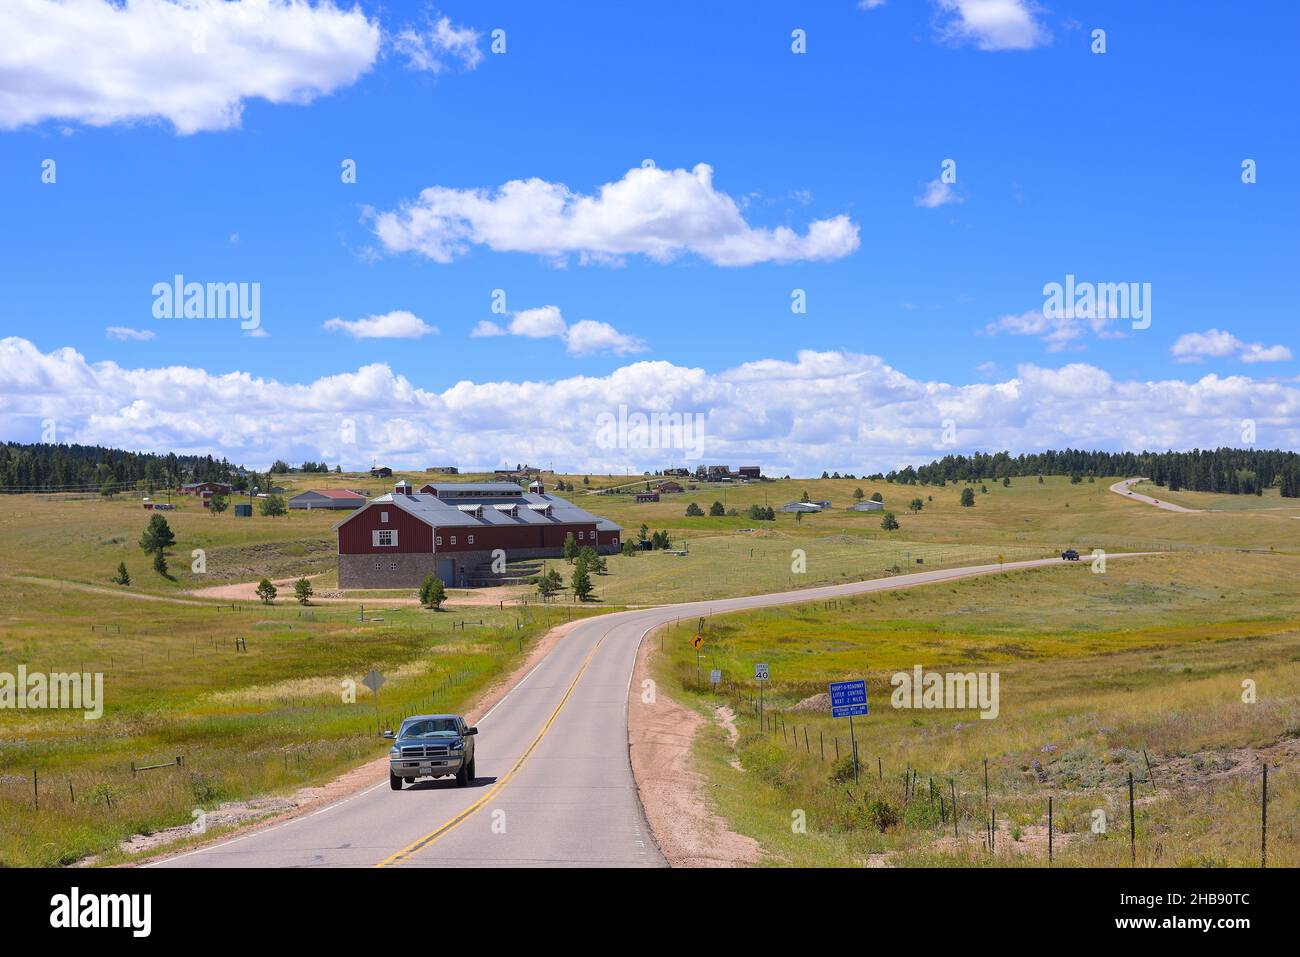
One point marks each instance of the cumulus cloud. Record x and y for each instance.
(584, 338)
(430, 49)
(398, 324)
(1058, 332)
(1218, 344)
(126, 334)
(661, 214)
(192, 63)
(821, 410)
(938, 193)
(992, 24)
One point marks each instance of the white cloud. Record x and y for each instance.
(584, 338)
(662, 214)
(1218, 344)
(540, 323)
(938, 193)
(1258, 352)
(192, 63)
(821, 410)
(588, 337)
(398, 324)
(992, 24)
(428, 50)
(125, 334)
(870, 4)
(1058, 332)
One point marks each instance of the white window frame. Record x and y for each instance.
(453, 539)
(383, 517)
(437, 540)
(376, 538)
(469, 539)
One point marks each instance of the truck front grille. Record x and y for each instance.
(426, 751)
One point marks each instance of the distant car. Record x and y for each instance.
(431, 746)
(1070, 555)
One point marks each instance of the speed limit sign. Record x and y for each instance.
(760, 671)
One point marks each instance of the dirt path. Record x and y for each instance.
(673, 792)
(120, 592)
(247, 591)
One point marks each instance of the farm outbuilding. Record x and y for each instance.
(868, 505)
(801, 507)
(327, 498)
(451, 529)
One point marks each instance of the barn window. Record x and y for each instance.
(470, 539)
(453, 539)
(392, 566)
(385, 538)
(383, 517)
(615, 539)
(437, 540)
(378, 565)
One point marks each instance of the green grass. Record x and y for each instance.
(1156, 663)
(272, 719)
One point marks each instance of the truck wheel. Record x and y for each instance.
(462, 778)
(394, 781)
(470, 775)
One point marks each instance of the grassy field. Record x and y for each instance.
(267, 719)
(272, 718)
(1094, 670)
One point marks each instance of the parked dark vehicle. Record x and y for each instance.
(1070, 555)
(431, 746)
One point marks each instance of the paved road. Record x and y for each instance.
(555, 785)
(1122, 488)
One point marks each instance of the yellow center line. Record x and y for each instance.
(464, 815)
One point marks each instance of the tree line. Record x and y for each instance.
(40, 467)
(1225, 470)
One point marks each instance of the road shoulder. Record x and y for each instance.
(673, 792)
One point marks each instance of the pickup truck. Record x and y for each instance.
(1070, 555)
(431, 746)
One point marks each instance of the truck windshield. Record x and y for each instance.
(430, 728)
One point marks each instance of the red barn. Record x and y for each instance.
(452, 529)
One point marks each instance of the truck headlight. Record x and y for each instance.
(458, 745)
(394, 752)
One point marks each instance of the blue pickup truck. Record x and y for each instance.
(431, 746)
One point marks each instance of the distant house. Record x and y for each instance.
(680, 473)
(327, 498)
(801, 507)
(668, 487)
(381, 471)
(647, 497)
(718, 473)
(443, 470)
(868, 506)
(750, 472)
(202, 488)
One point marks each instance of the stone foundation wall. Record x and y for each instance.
(359, 571)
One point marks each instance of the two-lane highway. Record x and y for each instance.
(555, 780)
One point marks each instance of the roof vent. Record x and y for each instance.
(402, 488)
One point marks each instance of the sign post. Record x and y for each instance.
(760, 675)
(374, 681)
(697, 643)
(849, 698)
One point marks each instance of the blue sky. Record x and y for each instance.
(1116, 167)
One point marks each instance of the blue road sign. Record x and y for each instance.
(848, 698)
